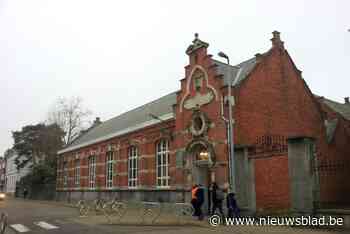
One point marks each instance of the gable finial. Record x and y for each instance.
(196, 44)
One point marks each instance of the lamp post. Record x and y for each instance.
(230, 129)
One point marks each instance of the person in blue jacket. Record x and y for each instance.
(200, 201)
(232, 207)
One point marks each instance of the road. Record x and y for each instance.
(26, 216)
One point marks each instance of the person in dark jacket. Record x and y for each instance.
(25, 193)
(194, 200)
(232, 207)
(217, 198)
(200, 201)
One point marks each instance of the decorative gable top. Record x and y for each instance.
(196, 44)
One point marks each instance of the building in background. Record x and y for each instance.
(2, 173)
(13, 174)
(291, 148)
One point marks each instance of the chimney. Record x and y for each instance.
(276, 40)
(258, 57)
(346, 99)
(96, 122)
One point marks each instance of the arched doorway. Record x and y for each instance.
(201, 160)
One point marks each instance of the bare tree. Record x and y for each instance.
(71, 115)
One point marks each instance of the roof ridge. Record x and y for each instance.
(230, 65)
(237, 65)
(327, 99)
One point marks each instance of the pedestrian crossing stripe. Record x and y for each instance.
(45, 225)
(20, 228)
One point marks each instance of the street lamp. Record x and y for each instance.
(223, 55)
(230, 128)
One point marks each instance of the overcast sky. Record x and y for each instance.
(118, 55)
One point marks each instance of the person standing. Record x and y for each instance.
(200, 201)
(25, 193)
(217, 198)
(194, 200)
(232, 207)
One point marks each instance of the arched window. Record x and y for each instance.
(92, 171)
(77, 172)
(162, 157)
(132, 166)
(65, 173)
(109, 169)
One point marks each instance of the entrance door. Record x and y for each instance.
(201, 177)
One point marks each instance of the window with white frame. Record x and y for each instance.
(92, 171)
(65, 173)
(132, 166)
(77, 172)
(109, 169)
(162, 158)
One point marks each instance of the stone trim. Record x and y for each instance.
(145, 171)
(121, 174)
(189, 80)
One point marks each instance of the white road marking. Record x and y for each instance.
(20, 228)
(45, 225)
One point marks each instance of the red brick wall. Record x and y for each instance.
(145, 139)
(334, 165)
(274, 100)
(272, 182)
(217, 130)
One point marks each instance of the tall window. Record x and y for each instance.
(77, 172)
(109, 169)
(162, 155)
(92, 171)
(132, 166)
(65, 174)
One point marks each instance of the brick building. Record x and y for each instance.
(291, 147)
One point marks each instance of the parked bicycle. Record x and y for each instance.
(3, 223)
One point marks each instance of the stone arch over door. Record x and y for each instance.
(199, 162)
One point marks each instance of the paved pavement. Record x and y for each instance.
(30, 217)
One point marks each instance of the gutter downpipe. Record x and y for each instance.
(227, 135)
(231, 134)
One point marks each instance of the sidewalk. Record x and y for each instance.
(48, 202)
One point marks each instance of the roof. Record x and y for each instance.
(239, 72)
(341, 108)
(132, 120)
(140, 117)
